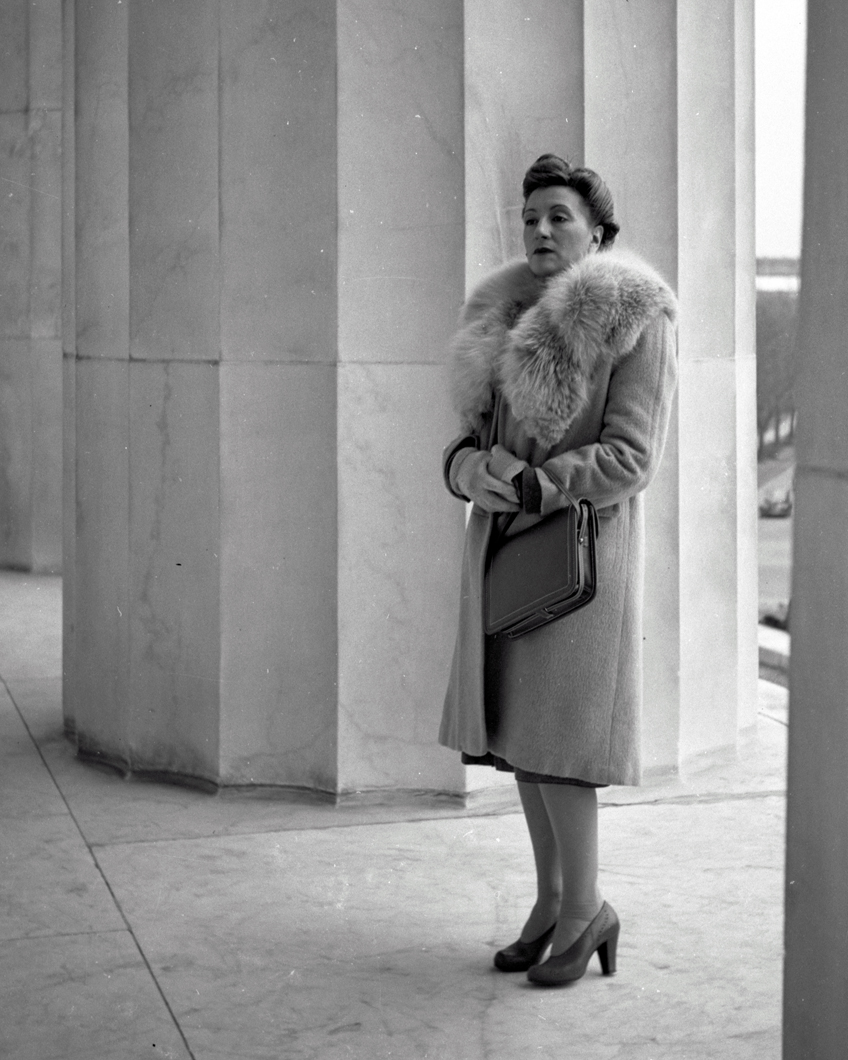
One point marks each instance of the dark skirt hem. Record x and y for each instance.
(523, 775)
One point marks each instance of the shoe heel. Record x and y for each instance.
(607, 954)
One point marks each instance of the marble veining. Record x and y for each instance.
(15, 251)
(398, 575)
(80, 997)
(101, 181)
(13, 84)
(101, 515)
(45, 58)
(46, 382)
(50, 884)
(278, 560)
(500, 95)
(45, 133)
(278, 242)
(229, 931)
(401, 189)
(173, 193)
(174, 563)
(15, 446)
(357, 941)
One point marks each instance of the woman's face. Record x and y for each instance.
(558, 230)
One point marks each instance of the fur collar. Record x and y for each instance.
(541, 346)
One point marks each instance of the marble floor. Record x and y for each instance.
(143, 920)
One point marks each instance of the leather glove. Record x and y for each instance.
(474, 481)
(529, 490)
(505, 465)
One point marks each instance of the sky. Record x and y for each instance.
(779, 66)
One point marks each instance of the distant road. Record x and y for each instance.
(775, 535)
(775, 559)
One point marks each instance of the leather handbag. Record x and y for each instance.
(542, 573)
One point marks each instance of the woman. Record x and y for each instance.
(564, 370)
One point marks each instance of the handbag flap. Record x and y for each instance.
(533, 570)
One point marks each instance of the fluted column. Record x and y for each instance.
(816, 969)
(278, 210)
(30, 306)
(659, 99)
(523, 96)
(69, 372)
(269, 260)
(96, 690)
(632, 139)
(668, 123)
(747, 563)
(714, 701)
(400, 282)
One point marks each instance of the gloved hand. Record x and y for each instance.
(510, 468)
(473, 480)
(529, 490)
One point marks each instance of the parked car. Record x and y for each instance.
(777, 504)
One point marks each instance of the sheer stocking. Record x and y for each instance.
(563, 823)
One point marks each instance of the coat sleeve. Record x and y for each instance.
(449, 455)
(636, 416)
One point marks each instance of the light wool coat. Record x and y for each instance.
(576, 377)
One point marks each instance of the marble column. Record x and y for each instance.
(269, 248)
(668, 123)
(278, 212)
(523, 96)
(15, 253)
(747, 562)
(30, 261)
(400, 282)
(716, 460)
(816, 968)
(95, 662)
(631, 138)
(69, 337)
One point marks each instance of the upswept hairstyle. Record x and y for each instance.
(552, 171)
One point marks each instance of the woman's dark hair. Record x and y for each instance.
(552, 171)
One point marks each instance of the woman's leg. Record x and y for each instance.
(572, 813)
(547, 858)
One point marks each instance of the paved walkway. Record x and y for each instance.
(142, 920)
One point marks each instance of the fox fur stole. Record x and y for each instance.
(542, 351)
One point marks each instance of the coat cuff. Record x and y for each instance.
(552, 499)
(452, 458)
(504, 465)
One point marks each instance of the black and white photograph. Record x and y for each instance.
(423, 549)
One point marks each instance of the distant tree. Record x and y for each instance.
(777, 326)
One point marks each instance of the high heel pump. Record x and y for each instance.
(600, 937)
(523, 955)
